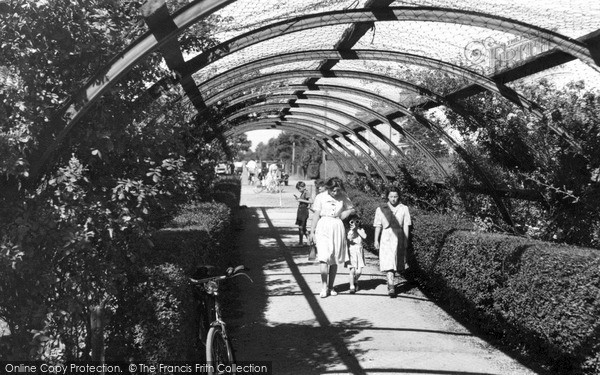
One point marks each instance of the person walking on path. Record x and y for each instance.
(304, 203)
(356, 255)
(329, 233)
(392, 222)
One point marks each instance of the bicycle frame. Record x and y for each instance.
(211, 305)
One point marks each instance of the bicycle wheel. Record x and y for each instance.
(219, 353)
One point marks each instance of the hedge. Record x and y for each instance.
(538, 299)
(155, 319)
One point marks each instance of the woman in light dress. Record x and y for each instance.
(392, 222)
(328, 232)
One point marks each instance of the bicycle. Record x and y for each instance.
(212, 330)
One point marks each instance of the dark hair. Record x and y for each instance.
(300, 184)
(355, 218)
(392, 189)
(334, 182)
(319, 183)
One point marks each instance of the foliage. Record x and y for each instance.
(521, 151)
(71, 240)
(534, 296)
(152, 319)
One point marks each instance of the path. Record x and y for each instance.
(285, 321)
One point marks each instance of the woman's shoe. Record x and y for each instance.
(332, 292)
(352, 290)
(391, 291)
(323, 293)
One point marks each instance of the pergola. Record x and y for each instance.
(316, 68)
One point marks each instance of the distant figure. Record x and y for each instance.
(304, 202)
(273, 175)
(392, 222)
(251, 168)
(356, 255)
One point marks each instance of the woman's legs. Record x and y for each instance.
(324, 275)
(390, 283)
(332, 273)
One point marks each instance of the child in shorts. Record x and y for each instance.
(302, 213)
(356, 255)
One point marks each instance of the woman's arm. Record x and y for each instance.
(347, 213)
(378, 227)
(313, 227)
(377, 234)
(348, 208)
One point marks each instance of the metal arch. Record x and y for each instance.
(425, 14)
(400, 108)
(397, 57)
(366, 142)
(376, 97)
(426, 123)
(356, 91)
(311, 124)
(293, 125)
(329, 149)
(311, 96)
(283, 106)
(314, 118)
(78, 104)
(364, 55)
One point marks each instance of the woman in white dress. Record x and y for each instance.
(392, 222)
(328, 232)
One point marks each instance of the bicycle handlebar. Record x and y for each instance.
(230, 272)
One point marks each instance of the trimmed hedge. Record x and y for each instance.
(539, 299)
(228, 190)
(156, 316)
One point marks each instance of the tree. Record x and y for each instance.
(68, 243)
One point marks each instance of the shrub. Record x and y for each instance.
(153, 321)
(154, 318)
(537, 295)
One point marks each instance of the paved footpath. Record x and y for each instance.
(282, 319)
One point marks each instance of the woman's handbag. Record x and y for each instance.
(312, 255)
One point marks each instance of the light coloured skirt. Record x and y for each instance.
(330, 238)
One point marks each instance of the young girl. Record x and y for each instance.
(302, 213)
(356, 254)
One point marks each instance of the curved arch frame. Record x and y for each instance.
(313, 126)
(366, 55)
(375, 97)
(289, 106)
(422, 121)
(318, 120)
(423, 14)
(76, 106)
(309, 94)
